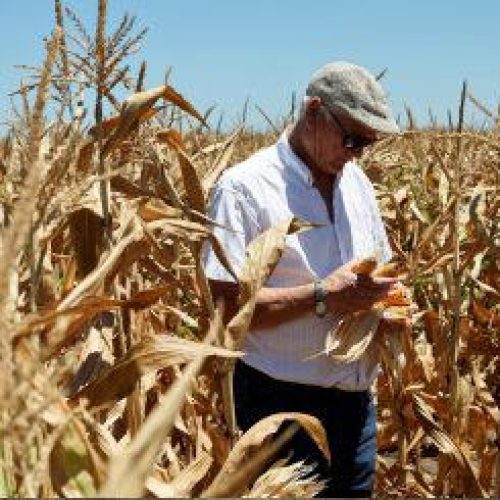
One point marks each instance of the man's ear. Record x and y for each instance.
(313, 103)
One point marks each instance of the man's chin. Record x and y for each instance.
(336, 166)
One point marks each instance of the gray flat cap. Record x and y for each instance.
(349, 89)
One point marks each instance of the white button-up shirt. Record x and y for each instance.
(266, 189)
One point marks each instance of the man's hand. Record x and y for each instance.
(349, 292)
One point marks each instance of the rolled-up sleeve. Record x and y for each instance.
(230, 208)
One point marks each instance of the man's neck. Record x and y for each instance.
(322, 180)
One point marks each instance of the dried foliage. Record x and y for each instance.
(115, 360)
(439, 391)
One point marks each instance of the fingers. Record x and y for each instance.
(368, 266)
(354, 265)
(386, 281)
(358, 291)
(370, 295)
(376, 283)
(364, 266)
(373, 290)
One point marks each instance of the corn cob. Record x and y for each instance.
(354, 333)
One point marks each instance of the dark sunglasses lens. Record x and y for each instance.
(356, 141)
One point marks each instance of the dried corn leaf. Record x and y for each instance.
(431, 230)
(294, 480)
(107, 126)
(87, 233)
(484, 395)
(421, 216)
(190, 476)
(186, 229)
(350, 340)
(89, 307)
(171, 95)
(7, 481)
(85, 156)
(171, 137)
(95, 356)
(446, 445)
(128, 472)
(262, 255)
(150, 354)
(183, 316)
(69, 471)
(251, 443)
(94, 279)
(220, 252)
(161, 489)
(221, 162)
(149, 212)
(192, 183)
(489, 457)
(484, 287)
(483, 315)
(139, 107)
(74, 465)
(122, 185)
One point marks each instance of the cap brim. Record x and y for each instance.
(385, 125)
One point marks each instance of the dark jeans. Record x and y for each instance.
(348, 417)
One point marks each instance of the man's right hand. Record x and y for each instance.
(349, 292)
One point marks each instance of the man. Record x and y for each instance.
(310, 173)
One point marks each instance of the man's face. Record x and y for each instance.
(331, 137)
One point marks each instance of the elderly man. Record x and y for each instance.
(310, 173)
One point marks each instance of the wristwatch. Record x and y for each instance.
(320, 295)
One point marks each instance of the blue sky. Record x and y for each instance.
(223, 51)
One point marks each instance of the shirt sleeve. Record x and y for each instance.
(379, 234)
(381, 240)
(230, 208)
(382, 244)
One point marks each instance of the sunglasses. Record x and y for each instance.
(352, 141)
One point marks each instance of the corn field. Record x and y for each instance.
(115, 357)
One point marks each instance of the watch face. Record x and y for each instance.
(320, 308)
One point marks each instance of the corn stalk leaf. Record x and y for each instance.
(447, 445)
(70, 465)
(294, 480)
(257, 436)
(140, 107)
(190, 476)
(221, 162)
(128, 472)
(149, 355)
(350, 340)
(262, 255)
(192, 183)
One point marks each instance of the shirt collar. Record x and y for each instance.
(292, 161)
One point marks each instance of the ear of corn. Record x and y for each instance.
(354, 333)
